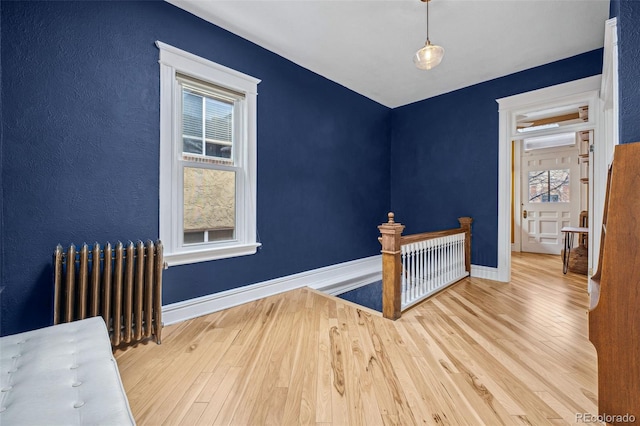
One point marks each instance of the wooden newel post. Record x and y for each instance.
(465, 223)
(391, 267)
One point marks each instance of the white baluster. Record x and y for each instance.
(403, 296)
(462, 260)
(412, 293)
(440, 263)
(412, 274)
(457, 263)
(417, 279)
(432, 274)
(451, 259)
(409, 277)
(410, 284)
(447, 260)
(423, 275)
(419, 270)
(454, 254)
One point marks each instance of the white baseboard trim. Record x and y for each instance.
(486, 272)
(350, 275)
(333, 279)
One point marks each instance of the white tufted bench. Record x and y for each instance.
(61, 375)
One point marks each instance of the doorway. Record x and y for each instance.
(582, 92)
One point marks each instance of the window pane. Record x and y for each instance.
(220, 235)
(191, 114)
(217, 150)
(209, 204)
(559, 186)
(218, 120)
(193, 237)
(192, 146)
(549, 186)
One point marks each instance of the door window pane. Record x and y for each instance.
(209, 211)
(549, 186)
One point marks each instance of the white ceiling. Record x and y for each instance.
(368, 46)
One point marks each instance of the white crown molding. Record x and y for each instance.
(334, 279)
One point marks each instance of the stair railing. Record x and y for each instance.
(417, 266)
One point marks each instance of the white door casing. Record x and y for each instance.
(586, 89)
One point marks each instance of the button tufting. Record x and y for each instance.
(13, 370)
(2, 409)
(74, 366)
(76, 384)
(78, 404)
(16, 356)
(6, 389)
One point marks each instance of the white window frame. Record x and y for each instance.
(176, 61)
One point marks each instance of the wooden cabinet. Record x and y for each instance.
(614, 318)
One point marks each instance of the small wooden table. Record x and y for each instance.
(568, 242)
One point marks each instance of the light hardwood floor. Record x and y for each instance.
(480, 352)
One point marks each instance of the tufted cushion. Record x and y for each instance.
(61, 375)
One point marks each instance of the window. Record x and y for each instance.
(207, 159)
(549, 186)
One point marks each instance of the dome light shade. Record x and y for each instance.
(429, 56)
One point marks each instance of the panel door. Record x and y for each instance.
(551, 198)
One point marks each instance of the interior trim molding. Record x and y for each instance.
(604, 142)
(333, 279)
(485, 272)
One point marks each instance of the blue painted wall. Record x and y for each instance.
(614, 8)
(444, 153)
(628, 14)
(369, 295)
(1, 173)
(79, 150)
(80, 96)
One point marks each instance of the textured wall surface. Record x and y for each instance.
(629, 69)
(1, 173)
(614, 8)
(80, 93)
(369, 295)
(444, 153)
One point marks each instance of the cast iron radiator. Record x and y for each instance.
(122, 284)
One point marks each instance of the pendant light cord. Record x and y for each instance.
(428, 42)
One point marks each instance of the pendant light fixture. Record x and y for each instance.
(430, 55)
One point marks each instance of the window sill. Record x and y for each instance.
(185, 258)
